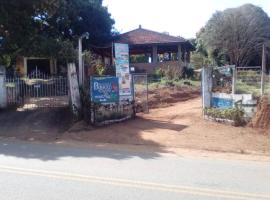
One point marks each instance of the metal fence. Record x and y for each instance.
(140, 92)
(267, 84)
(241, 80)
(248, 80)
(37, 92)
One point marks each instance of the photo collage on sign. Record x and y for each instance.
(122, 70)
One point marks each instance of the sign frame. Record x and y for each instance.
(104, 89)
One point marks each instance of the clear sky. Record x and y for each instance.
(178, 17)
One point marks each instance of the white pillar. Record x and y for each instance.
(3, 92)
(154, 54)
(234, 78)
(206, 87)
(74, 88)
(80, 61)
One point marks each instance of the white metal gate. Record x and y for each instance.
(37, 91)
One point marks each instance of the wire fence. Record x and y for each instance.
(140, 91)
(240, 80)
(249, 80)
(267, 84)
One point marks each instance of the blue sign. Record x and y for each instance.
(222, 103)
(105, 89)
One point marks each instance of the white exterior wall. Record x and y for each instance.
(3, 92)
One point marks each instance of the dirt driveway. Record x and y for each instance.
(180, 125)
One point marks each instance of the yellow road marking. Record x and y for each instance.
(135, 184)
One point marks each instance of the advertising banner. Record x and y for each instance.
(122, 70)
(105, 89)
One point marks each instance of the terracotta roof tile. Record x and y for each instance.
(144, 36)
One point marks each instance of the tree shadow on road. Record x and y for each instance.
(35, 136)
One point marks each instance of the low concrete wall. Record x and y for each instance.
(151, 67)
(249, 104)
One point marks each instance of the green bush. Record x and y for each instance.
(188, 72)
(234, 114)
(100, 69)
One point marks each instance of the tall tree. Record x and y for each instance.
(45, 27)
(237, 33)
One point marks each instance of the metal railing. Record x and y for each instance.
(36, 92)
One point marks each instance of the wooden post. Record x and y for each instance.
(155, 54)
(80, 61)
(263, 69)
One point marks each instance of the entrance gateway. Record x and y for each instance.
(37, 90)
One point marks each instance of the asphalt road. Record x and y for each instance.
(47, 171)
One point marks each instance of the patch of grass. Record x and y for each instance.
(234, 114)
(179, 83)
(244, 88)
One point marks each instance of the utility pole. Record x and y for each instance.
(263, 69)
(80, 60)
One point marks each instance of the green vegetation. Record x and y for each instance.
(177, 83)
(244, 88)
(50, 28)
(233, 36)
(234, 114)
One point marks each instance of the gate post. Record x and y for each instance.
(74, 89)
(207, 84)
(3, 91)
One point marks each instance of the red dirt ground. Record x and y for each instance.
(170, 125)
(180, 125)
(262, 117)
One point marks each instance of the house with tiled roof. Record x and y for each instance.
(159, 49)
(150, 50)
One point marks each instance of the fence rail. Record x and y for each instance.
(241, 80)
(37, 92)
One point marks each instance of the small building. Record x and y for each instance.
(155, 50)
(27, 65)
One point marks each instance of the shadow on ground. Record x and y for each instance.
(50, 127)
(53, 151)
(42, 124)
(129, 132)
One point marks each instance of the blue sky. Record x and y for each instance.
(178, 17)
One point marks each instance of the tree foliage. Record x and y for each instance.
(236, 35)
(45, 27)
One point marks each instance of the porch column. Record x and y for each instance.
(179, 53)
(154, 54)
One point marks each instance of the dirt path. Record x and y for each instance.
(178, 126)
(182, 126)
